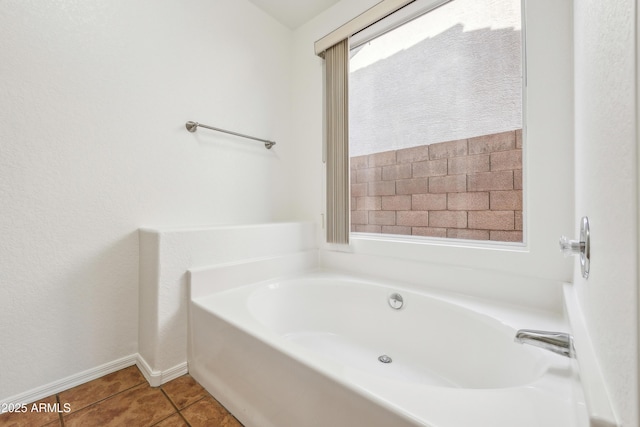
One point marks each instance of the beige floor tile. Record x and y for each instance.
(173, 421)
(35, 416)
(141, 406)
(208, 412)
(124, 398)
(184, 391)
(94, 391)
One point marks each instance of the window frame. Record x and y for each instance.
(549, 198)
(396, 19)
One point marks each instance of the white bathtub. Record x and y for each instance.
(303, 351)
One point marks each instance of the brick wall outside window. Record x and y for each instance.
(465, 189)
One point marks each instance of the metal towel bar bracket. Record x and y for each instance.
(193, 126)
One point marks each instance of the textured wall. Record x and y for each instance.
(606, 88)
(94, 97)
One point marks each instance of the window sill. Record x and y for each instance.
(439, 241)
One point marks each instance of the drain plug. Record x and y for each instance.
(385, 359)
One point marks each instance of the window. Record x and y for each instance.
(435, 124)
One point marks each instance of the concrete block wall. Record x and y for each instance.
(464, 189)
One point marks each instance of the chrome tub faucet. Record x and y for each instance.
(557, 342)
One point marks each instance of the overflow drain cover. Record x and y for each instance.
(396, 301)
(384, 359)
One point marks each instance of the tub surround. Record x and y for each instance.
(597, 400)
(226, 308)
(503, 287)
(182, 267)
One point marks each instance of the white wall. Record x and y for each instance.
(93, 100)
(606, 87)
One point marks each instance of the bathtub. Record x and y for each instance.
(310, 350)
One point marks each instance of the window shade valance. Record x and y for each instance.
(362, 25)
(359, 23)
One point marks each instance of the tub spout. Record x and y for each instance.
(557, 342)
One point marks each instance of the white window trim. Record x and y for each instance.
(370, 17)
(400, 17)
(549, 199)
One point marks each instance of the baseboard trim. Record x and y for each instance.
(71, 381)
(155, 379)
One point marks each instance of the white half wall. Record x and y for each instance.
(165, 256)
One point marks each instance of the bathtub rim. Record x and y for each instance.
(536, 360)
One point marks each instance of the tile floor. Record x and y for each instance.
(124, 398)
